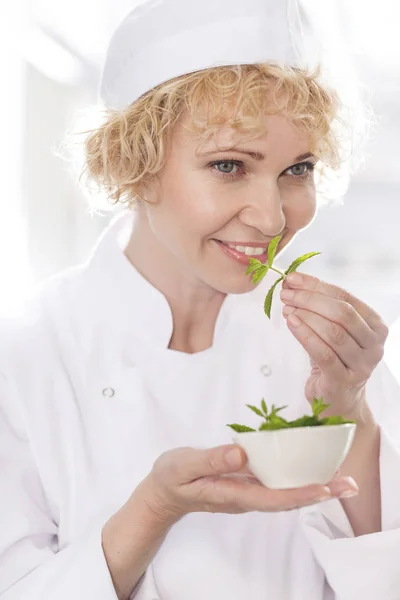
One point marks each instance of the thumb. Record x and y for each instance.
(216, 461)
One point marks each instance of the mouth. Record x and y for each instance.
(242, 253)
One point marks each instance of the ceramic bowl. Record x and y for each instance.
(295, 457)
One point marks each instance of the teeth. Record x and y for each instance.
(254, 251)
(248, 250)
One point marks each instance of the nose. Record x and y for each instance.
(263, 210)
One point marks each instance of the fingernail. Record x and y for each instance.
(344, 485)
(234, 458)
(294, 278)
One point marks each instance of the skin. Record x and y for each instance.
(172, 243)
(191, 204)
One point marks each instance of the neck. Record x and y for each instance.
(194, 305)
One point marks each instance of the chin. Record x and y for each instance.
(234, 285)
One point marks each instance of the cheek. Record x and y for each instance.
(188, 210)
(301, 209)
(198, 203)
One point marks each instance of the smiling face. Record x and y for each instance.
(207, 200)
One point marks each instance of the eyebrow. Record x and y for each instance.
(258, 155)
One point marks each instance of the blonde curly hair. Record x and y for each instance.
(128, 150)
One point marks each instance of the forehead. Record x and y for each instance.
(268, 130)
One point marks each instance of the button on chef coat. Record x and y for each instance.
(91, 396)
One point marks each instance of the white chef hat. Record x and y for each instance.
(162, 39)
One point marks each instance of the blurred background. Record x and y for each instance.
(50, 58)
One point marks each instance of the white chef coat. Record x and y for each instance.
(91, 396)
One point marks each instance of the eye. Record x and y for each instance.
(229, 169)
(226, 166)
(302, 170)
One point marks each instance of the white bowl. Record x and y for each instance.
(295, 457)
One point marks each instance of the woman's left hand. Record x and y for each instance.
(343, 336)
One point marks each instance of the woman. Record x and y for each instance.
(116, 387)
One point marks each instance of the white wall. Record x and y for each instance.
(61, 231)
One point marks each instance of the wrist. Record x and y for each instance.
(364, 451)
(130, 539)
(161, 513)
(363, 416)
(360, 412)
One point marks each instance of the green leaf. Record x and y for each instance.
(272, 249)
(306, 421)
(256, 410)
(275, 419)
(240, 428)
(254, 264)
(268, 298)
(260, 273)
(334, 420)
(318, 406)
(296, 263)
(276, 423)
(264, 407)
(273, 422)
(274, 410)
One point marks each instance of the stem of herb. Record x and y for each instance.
(277, 271)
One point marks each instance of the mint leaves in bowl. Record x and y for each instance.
(285, 454)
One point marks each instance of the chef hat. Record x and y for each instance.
(163, 39)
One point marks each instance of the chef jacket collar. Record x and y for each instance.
(133, 303)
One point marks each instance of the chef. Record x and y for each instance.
(119, 478)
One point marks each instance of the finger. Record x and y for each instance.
(336, 311)
(307, 282)
(245, 470)
(336, 337)
(254, 496)
(343, 487)
(189, 464)
(318, 350)
(241, 478)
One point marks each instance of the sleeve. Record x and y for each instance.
(31, 568)
(364, 567)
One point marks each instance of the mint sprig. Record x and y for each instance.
(258, 270)
(273, 421)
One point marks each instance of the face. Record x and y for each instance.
(212, 207)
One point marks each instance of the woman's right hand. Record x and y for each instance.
(185, 480)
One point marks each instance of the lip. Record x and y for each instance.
(249, 244)
(239, 257)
